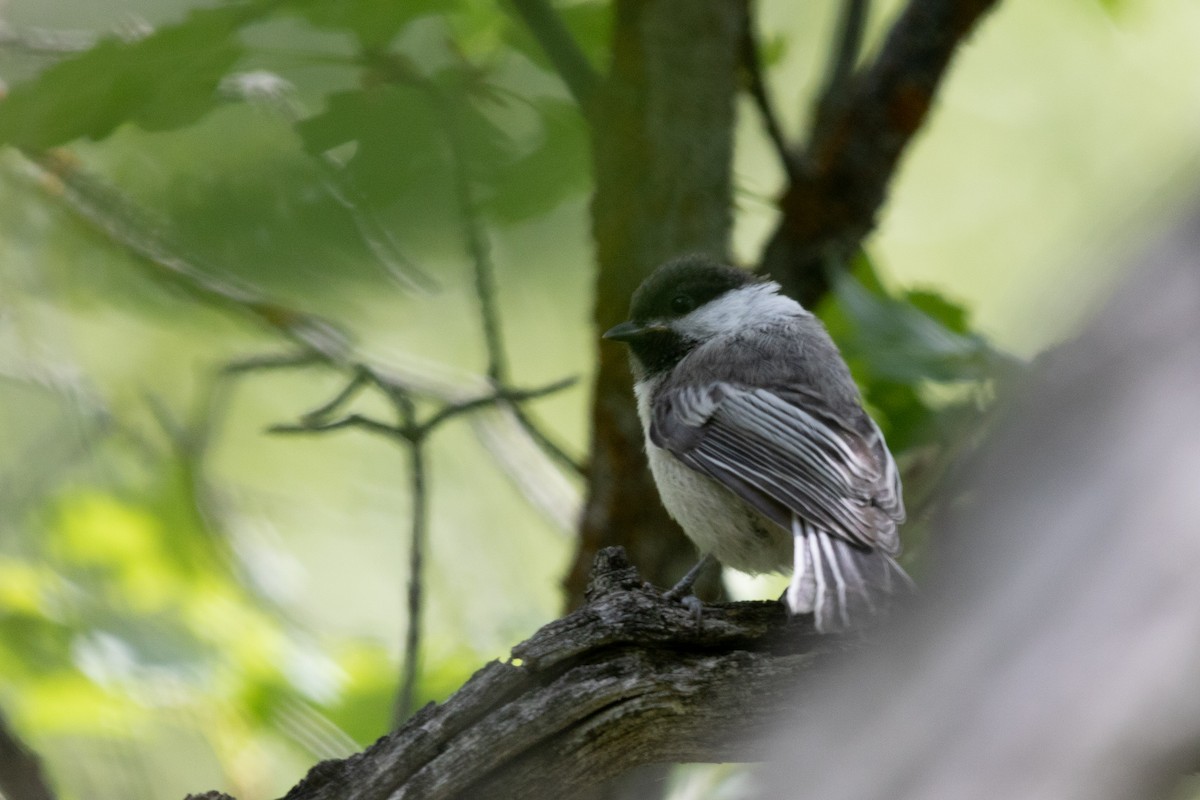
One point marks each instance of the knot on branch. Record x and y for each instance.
(611, 572)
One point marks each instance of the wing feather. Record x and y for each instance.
(784, 453)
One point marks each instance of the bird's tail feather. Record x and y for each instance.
(841, 585)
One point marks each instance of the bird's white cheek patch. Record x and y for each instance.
(736, 310)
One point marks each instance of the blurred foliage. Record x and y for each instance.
(900, 347)
(164, 81)
(306, 152)
(127, 601)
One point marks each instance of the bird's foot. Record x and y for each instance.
(682, 591)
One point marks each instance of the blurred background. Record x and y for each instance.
(189, 601)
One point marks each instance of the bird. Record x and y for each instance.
(758, 442)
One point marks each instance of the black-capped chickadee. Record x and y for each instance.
(758, 441)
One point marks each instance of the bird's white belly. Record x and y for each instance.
(712, 516)
(717, 520)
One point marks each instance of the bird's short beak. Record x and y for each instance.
(625, 332)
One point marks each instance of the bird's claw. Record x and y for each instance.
(694, 605)
(685, 598)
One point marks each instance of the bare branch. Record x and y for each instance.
(502, 395)
(416, 556)
(561, 48)
(843, 56)
(351, 421)
(485, 284)
(135, 229)
(414, 434)
(319, 341)
(826, 214)
(477, 245)
(756, 85)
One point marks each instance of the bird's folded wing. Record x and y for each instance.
(784, 453)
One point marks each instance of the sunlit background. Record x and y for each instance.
(188, 601)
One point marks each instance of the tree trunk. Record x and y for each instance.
(663, 124)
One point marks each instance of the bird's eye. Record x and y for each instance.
(682, 304)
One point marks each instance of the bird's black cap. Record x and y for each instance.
(683, 284)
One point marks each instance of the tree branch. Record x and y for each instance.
(756, 85)
(827, 213)
(627, 679)
(319, 342)
(21, 775)
(414, 434)
(419, 492)
(662, 148)
(1055, 655)
(562, 50)
(843, 56)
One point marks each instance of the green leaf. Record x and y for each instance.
(164, 81)
(396, 133)
(900, 411)
(33, 645)
(373, 22)
(556, 167)
(900, 342)
(400, 133)
(950, 314)
(590, 25)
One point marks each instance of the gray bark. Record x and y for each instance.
(662, 126)
(626, 680)
(1058, 653)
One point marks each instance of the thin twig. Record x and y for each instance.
(549, 446)
(757, 86)
(416, 557)
(350, 421)
(302, 358)
(477, 244)
(360, 379)
(414, 434)
(485, 283)
(502, 395)
(409, 430)
(560, 47)
(138, 231)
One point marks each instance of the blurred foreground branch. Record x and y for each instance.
(21, 775)
(1058, 651)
